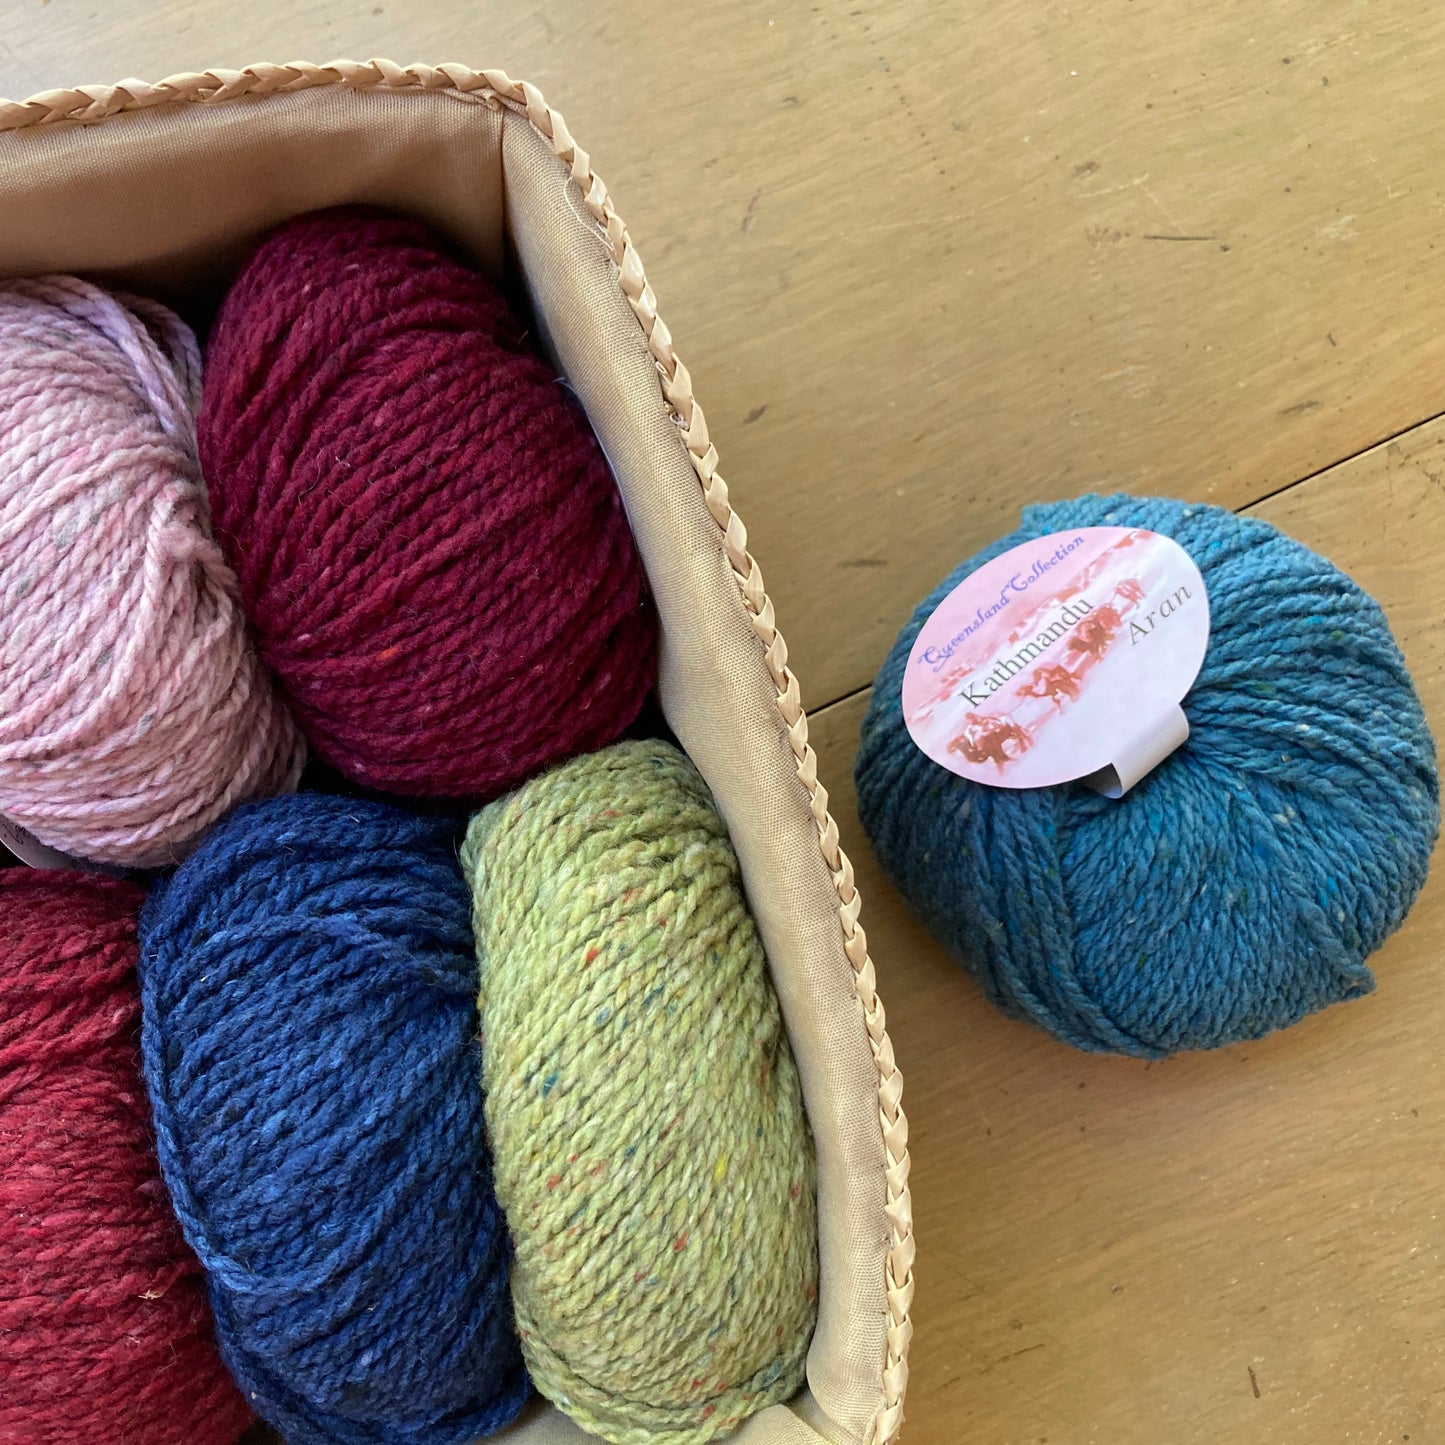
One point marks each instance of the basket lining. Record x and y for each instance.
(167, 201)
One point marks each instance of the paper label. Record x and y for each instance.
(29, 849)
(1065, 658)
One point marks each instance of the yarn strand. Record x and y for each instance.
(1239, 886)
(308, 981)
(104, 1330)
(133, 711)
(428, 538)
(652, 1153)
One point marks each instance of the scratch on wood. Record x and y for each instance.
(1300, 407)
(751, 211)
(1253, 1383)
(1435, 479)
(1155, 236)
(1027, 1350)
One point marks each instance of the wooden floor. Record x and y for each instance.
(927, 266)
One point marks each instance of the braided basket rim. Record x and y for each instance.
(94, 104)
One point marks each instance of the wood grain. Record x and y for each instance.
(928, 264)
(1117, 1251)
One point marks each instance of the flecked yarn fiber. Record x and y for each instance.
(1238, 887)
(429, 540)
(652, 1153)
(104, 1330)
(134, 711)
(309, 986)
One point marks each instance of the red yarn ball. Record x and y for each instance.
(431, 548)
(105, 1334)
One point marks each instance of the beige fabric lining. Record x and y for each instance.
(167, 199)
(170, 199)
(777, 1425)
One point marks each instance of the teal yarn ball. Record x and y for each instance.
(1239, 886)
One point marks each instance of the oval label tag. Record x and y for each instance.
(1065, 658)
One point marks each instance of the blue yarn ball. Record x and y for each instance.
(309, 984)
(1240, 885)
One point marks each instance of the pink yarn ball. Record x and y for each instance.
(134, 710)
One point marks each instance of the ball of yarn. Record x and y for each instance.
(1241, 884)
(309, 987)
(652, 1153)
(104, 1329)
(133, 710)
(429, 540)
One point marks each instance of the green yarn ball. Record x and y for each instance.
(646, 1120)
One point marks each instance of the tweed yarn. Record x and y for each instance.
(134, 711)
(309, 981)
(428, 537)
(645, 1113)
(104, 1330)
(1240, 885)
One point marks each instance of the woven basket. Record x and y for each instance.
(163, 187)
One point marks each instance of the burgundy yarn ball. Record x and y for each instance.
(105, 1333)
(431, 547)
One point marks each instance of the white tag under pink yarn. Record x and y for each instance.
(30, 850)
(1065, 658)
